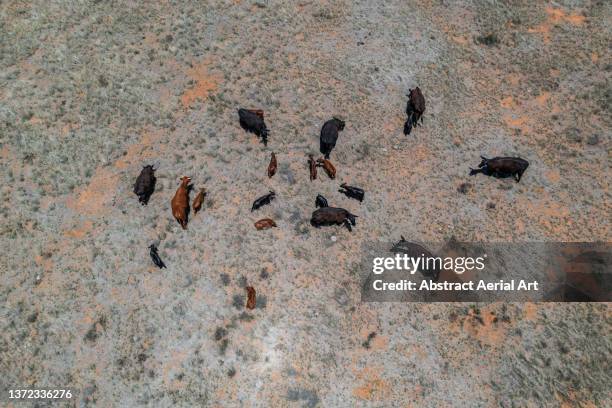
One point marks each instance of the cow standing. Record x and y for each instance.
(252, 120)
(155, 257)
(145, 184)
(272, 166)
(414, 109)
(180, 202)
(198, 201)
(329, 135)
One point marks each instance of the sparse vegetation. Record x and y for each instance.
(92, 92)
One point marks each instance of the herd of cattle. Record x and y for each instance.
(252, 120)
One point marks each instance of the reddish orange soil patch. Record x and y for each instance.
(378, 342)
(81, 231)
(519, 122)
(553, 176)
(35, 120)
(394, 125)
(525, 114)
(547, 208)
(530, 311)
(45, 263)
(460, 39)
(67, 128)
(542, 99)
(205, 84)
(142, 150)
(52, 279)
(374, 387)
(97, 197)
(571, 400)
(5, 153)
(485, 328)
(556, 17)
(507, 102)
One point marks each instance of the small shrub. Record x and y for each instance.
(488, 39)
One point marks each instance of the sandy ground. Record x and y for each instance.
(90, 91)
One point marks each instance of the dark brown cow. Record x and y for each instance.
(332, 216)
(312, 164)
(414, 109)
(502, 167)
(180, 202)
(272, 166)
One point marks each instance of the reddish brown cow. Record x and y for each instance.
(180, 202)
(198, 201)
(265, 223)
(272, 166)
(251, 299)
(312, 164)
(328, 167)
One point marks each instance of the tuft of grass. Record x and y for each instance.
(238, 301)
(488, 39)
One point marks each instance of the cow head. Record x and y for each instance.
(340, 123)
(185, 180)
(351, 218)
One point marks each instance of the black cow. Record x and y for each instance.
(253, 121)
(263, 200)
(145, 184)
(329, 135)
(321, 202)
(155, 257)
(502, 167)
(352, 192)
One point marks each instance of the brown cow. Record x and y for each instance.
(414, 109)
(251, 299)
(328, 167)
(312, 164)
(272, 166)
(198, 201)
(180, 202)
(265, 223)
(332, 216)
